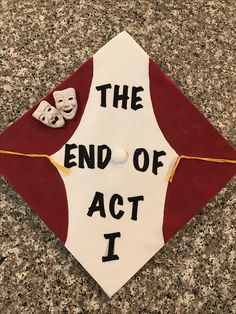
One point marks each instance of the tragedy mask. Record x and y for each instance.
(48, 115)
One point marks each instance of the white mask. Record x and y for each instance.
(66, 102)
(48, 115)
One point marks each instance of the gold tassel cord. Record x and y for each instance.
(219, 160)
(63, 169)
(67, 171)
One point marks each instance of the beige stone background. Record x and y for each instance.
(42, 42)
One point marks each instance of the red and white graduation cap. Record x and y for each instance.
(119, 125)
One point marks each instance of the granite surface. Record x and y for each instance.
(42, 42)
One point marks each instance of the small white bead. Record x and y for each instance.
(119, 155)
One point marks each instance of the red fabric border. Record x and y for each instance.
(189, 133)
(36, 179)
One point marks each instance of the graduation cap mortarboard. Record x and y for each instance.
(124, 127)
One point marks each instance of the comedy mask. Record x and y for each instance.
(66, 102)
(48, 115)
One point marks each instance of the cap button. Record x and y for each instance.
(119, 155)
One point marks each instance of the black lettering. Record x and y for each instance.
(97, 205)
(156, 163)
(136, 163)
(116, 198)
(135, 98)
(103, 162)
(110, 254)
(123, 97)
(103, 89)
(67, 159)
(134, 200)
(85, 156)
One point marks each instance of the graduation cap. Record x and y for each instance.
(115, 160)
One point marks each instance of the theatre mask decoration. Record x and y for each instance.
(66, 102)
(116, 208)
(48, 115)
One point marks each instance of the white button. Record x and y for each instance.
(119, 155)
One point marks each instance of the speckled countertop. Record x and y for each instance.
(42, 42)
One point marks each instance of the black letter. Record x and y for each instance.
(157, 164)
(69, 156)
(119, 199)
(103, 163)
(97, 205)
(123, 97)
(135, 200)
(110, 254)
(135, 98)
(83, 155)
(137, 153)
(103, 89)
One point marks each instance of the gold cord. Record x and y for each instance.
(65, 170)
(220, 160)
